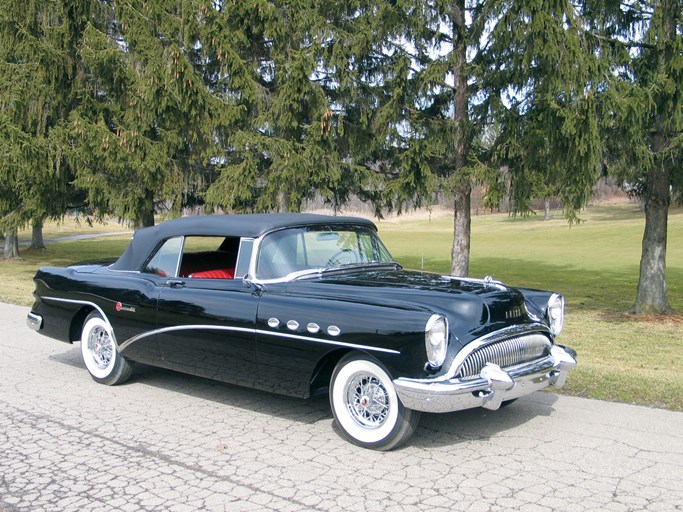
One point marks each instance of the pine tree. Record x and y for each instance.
(455, 72)
(645, 130)
(545, 84)
(603, 88)
(39, 83)
(149, 124)
(294, 82)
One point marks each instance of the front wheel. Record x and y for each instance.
(101, 358)
(366, 406)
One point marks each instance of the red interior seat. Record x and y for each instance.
(220, 273)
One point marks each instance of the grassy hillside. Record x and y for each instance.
(594, 264)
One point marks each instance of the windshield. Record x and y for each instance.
(318, 248)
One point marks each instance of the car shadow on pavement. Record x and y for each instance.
(480, 424)
(71, 357)
(445, 429)
(291, 408)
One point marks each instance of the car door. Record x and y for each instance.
(205, 327)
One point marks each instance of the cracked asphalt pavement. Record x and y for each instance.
(171, 442)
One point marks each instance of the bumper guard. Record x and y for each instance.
(34, 321)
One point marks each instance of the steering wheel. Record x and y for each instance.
(343, 257)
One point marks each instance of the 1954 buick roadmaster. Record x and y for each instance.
(300, 304)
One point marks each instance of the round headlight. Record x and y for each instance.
(436, 340)
(556, 313)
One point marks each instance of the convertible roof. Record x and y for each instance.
(254, 225)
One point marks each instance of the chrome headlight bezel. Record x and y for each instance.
(555, 313)
(436, 340)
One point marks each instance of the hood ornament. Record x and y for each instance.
(493, 283)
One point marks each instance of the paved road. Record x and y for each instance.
(170, 442)
(88, 236)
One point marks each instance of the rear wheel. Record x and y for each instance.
(366, 406)
(100, 355)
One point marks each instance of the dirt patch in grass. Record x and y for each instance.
(670, 318)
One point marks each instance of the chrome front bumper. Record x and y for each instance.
(492, 387)
(34, 321)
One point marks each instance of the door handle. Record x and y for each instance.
(175, 283)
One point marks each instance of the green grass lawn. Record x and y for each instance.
(593, 264)
(17, 275)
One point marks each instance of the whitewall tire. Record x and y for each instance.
(366, 406)
(99, 352)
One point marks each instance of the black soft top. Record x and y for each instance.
(254, 225)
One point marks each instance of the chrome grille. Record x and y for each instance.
(505, 353)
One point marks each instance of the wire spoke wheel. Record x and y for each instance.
(365, 404)
(367, 400)
(101, 347)
(100, 354)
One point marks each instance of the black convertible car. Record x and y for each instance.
(300, 304)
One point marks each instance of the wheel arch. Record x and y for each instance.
(322, 373)
(78, 321)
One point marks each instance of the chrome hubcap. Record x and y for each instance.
(367, 401)
(100, 347)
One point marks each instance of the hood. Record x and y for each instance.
(472, 306)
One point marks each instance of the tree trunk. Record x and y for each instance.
(546, 204)
(651, 298)
(147, 219)
(460, 257)
(11, 244)
(37, 235)
(460, 254)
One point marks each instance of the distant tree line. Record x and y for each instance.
(117, 107)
